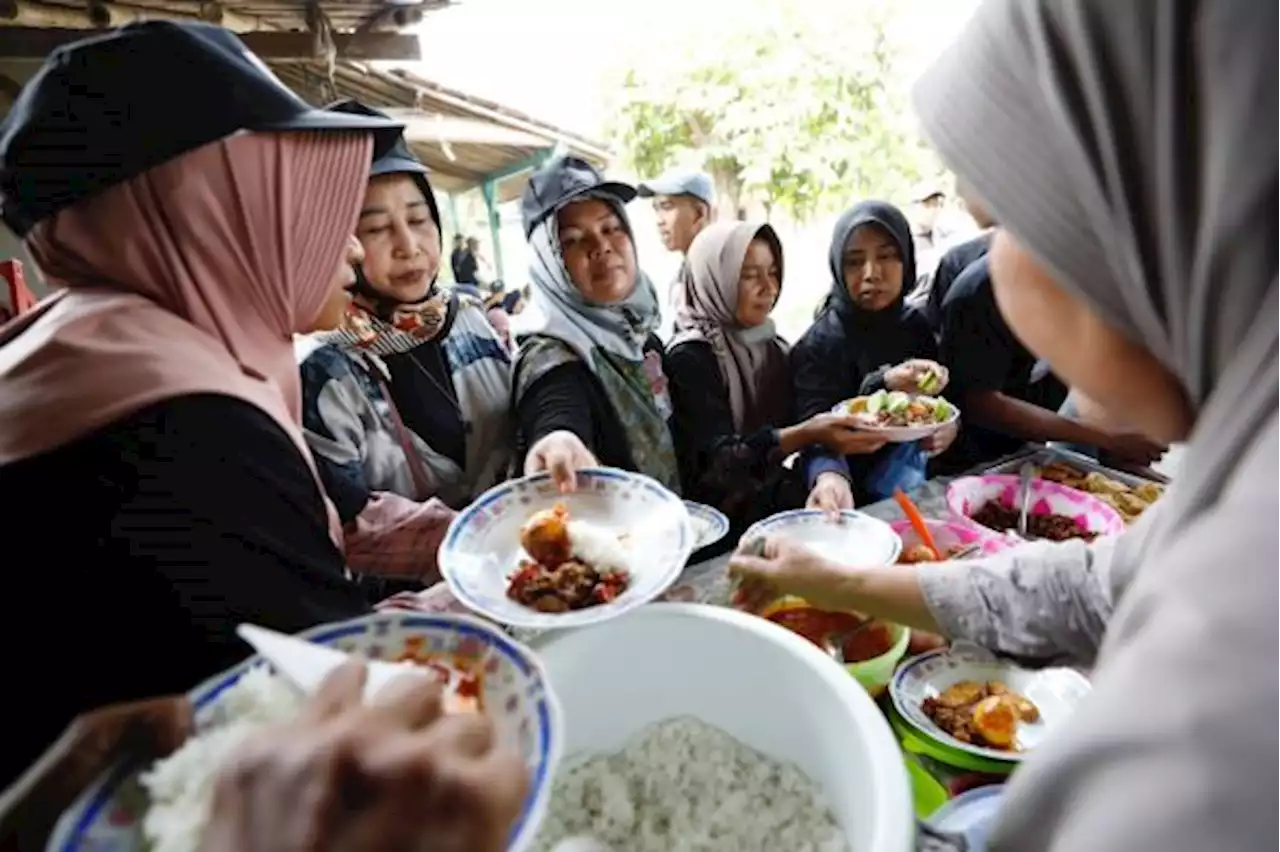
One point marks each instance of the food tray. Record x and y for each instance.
(1041, 455)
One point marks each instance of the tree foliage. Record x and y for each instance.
(800, 113)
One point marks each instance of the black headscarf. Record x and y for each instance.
(891, 220)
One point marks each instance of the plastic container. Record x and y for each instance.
(968, 494)
(758, 682)
(972, 814)
(951, 534)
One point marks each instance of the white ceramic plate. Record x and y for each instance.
(903, 434)
(1056, 692)
(517, 696)
(709, 524)
(855, 539)
(482, 549)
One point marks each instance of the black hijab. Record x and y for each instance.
(890, 219)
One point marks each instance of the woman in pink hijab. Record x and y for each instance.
(158, 489)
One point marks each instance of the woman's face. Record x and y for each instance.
(401, 241)
(335, 307)
(1121, 376)
(872, 268)
(597, 251)
(758, 285)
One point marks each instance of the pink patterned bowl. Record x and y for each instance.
(970, 493)
(950, 535)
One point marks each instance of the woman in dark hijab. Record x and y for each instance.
(866, 339)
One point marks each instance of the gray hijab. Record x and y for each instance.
(1131, 147)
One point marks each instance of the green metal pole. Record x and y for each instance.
(490, 190)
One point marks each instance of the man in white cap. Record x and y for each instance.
(683, 202)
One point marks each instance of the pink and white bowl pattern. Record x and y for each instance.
(968, 494)
(517, 696)
(949, 534)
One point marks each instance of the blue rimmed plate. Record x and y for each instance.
(1056, 692)
(516, 695)
(853, 539)
(709, 524)
(482, 549)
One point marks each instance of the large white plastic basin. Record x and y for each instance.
(752, 679)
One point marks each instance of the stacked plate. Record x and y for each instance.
(1055, 694)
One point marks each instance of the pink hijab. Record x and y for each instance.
(190, 278)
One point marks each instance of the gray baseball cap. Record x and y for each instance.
(697, 184)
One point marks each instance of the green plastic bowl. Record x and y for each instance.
(874, 674)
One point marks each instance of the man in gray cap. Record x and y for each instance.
(683, 202)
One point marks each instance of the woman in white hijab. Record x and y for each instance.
(1128, 151)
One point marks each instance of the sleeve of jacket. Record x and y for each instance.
(332, 404)
(817, 371)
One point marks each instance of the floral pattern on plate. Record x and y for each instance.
(1055, 692)
(108, 816)
(970, 493)
(482, 547)
(855, 539)
(709, 524)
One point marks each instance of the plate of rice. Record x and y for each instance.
(525, 555)
(164, 806)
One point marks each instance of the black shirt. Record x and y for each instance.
(955, 261)
(982, 354)
(148, 541)
(464, 271)
(569, 398)
(741, 475)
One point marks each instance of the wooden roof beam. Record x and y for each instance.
(37, 43)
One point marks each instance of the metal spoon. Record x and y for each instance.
(1025, 475)
(834, 643)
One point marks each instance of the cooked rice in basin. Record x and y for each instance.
(683, 785)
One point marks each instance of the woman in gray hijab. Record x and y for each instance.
(1128, 152)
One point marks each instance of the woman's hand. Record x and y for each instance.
(766, 571)
(918, 375)
(937, 443)
(841, 434)
(1134, 448)
(142, 731)
(831, 494)
(563, 454)
(392, 775)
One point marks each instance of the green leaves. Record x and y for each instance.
(803, 116)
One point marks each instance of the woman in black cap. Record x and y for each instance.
(589, 383)
(407, 406)
(865, 339)
(150, 444)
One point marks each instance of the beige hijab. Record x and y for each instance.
(1132, 148)
(752, 361)
(190, 278)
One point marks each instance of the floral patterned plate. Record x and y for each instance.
(482, 549)
(968, 494)
(854, 539)
(1055, 692)
(516, 695)
(709, 524)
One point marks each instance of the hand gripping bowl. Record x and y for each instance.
(481, 549)
(756, 681)
(516, 694)
(968, 494)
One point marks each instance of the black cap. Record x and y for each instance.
(397, 159)
(96, 113)
(560, 181)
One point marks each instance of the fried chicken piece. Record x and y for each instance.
(545, 536)
(961, 694)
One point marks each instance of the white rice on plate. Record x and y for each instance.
(180, 786)
(683, 785)
(598, 547)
